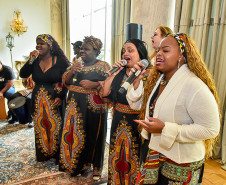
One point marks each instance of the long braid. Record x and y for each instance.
(149, 85)
(198, 67)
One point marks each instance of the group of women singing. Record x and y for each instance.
(163, 128)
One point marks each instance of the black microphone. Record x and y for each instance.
(76, 74)
(32, 60)
(115, 69)
(143, 64)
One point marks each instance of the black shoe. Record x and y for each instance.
(12, 121)
(30, 125)
(87, 172)
(9, 118)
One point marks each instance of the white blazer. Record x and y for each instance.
(189, 111)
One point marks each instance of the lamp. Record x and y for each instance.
(17, 24)
(10, 45)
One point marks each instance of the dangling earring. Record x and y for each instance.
(178, 64)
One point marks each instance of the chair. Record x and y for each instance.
(3, 114)
(19, 65)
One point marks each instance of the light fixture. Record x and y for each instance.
(17, 24)
(10, 45)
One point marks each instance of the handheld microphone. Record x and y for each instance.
(114, 69)
(76, 74)
(143, 64)
(32, 60)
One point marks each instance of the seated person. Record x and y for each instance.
(28, 83)
(7, 89)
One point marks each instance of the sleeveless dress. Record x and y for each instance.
(124, 149)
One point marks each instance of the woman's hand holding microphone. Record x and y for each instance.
(33, 55)
(139, 78)
(116, 68)
(76, 67)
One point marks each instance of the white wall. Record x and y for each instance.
(36, 15)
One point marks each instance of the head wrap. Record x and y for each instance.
(46, 38)
(94, 42)
(180, 40)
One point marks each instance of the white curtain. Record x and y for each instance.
(65, 27)
(60, 28)
(204, 21)
(120, 17)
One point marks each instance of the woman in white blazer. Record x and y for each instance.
(179, 114)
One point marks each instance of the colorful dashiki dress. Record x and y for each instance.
(160, 170)
(157, 169)
(85, 123)
(47, 119)
(123, 164)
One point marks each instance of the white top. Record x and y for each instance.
(189, 111)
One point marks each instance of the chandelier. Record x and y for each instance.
(17, 24)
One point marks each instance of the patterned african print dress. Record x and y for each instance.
(123, 164)
(85, 123)
(47, 119)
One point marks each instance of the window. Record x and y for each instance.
(91, 17)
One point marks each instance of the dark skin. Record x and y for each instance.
(88, 55)
(43, 50)
(76, 52)
(168, 56)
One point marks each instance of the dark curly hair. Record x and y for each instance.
(56, 49)
(141, 48)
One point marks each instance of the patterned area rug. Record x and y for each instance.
(18, 165)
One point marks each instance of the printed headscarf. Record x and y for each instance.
(180, 40)
(46, 38)
(94, 42)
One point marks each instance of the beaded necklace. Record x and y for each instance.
(163, 81)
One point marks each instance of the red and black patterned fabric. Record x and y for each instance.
(85, 123)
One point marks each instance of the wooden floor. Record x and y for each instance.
(214, 174)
